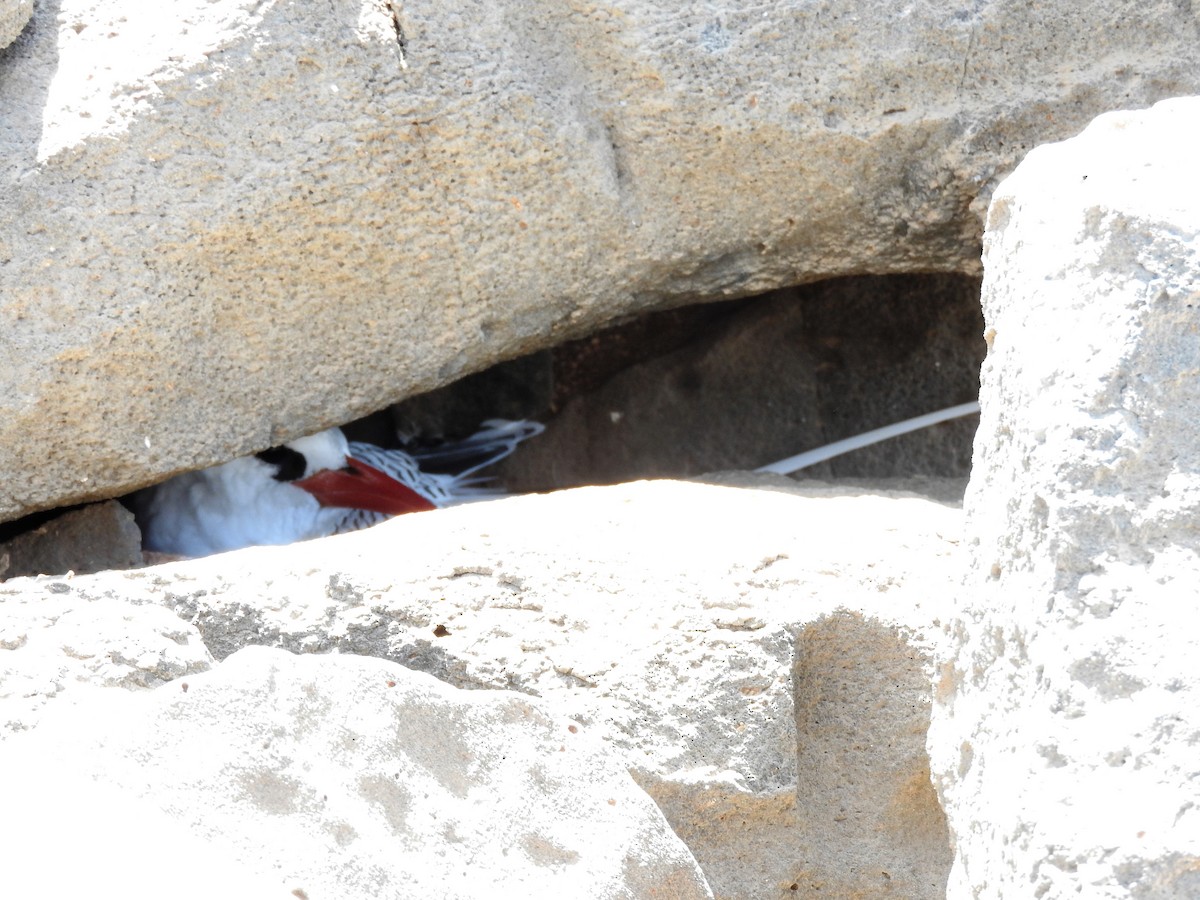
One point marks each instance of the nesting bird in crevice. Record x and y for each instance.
(314, 486)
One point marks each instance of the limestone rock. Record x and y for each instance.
(1065, 739)
(14, 15)
(759, 655)
(224, 225)
(341, 777)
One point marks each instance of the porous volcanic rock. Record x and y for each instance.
(93, 538)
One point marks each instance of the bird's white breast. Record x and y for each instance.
(234, 505)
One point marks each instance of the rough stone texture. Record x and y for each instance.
(769, 378)
(14, 16)
(1066, 734)
(223, 224)
(99, 536)
(344, 777)
(56, 642)
(735, 645)
(856, 682)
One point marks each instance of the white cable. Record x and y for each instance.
(837, 448)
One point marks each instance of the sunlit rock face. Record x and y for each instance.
(226, 225)
(1064, 739)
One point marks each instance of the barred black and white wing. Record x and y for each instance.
(493, 442)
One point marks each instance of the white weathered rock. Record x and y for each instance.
(224, 224)
(341, 777)
(14, 16)
(760, 659)
(1065, 742)
(66, 834)
(56, 642)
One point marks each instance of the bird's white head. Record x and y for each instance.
(321, 465)
(324, 450)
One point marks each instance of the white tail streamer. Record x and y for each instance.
(837, 448)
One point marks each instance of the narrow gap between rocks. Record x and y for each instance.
(683, 393)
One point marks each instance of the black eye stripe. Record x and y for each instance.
(290, 464)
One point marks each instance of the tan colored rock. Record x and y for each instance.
(1066, 730)
(871, 824)
(757, 654)
(337, 777)
(227, 225)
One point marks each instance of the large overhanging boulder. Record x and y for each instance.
(224, 224)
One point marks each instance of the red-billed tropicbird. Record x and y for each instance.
(312, 487)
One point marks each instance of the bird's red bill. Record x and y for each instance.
(361, 486)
